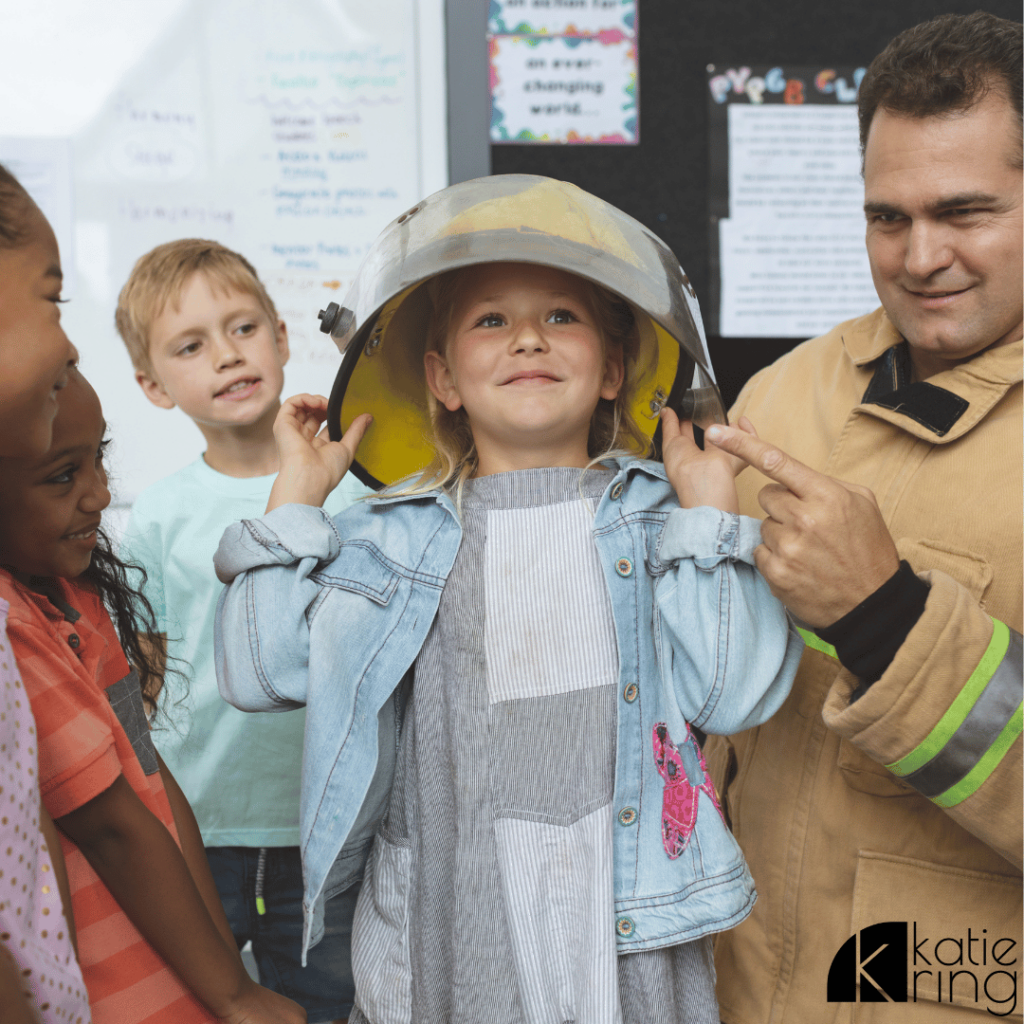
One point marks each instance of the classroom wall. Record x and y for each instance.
(292, 131)
(663, 181)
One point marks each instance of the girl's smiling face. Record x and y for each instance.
(50, 507)
(527, 360)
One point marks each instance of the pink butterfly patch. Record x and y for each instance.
(685, 775)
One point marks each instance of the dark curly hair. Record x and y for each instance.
(131, 613)
(944, 65)
(117, 583)
(15, 202)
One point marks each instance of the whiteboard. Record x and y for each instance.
(290, 130)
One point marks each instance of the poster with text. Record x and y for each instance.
(786, 201)
(563, 71)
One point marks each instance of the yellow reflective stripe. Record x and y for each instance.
(816, 643)
(973, 780)
(958, 710)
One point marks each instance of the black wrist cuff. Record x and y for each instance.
(867, 638)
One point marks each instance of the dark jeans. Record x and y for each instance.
(324, 987)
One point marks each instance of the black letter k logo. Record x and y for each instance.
(871, 967)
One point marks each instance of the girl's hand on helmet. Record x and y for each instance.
(311, 464)
(705, 477)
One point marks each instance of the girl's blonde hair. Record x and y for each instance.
(613, 430)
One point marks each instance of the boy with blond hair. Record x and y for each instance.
(203, 335)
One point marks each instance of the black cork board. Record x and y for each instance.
(663, 181)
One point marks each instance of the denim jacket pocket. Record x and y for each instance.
(361, 568)
(652, 542)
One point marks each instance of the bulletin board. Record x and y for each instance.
(290, 130)
(786, 193)
(666, 180)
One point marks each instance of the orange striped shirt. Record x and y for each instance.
(69, 657)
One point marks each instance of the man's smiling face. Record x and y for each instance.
(942, 196)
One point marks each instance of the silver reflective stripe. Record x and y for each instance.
(979, 730)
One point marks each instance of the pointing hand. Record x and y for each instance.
(825, 547)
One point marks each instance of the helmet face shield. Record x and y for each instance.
(516, 218)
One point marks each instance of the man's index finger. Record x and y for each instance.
(773, 462)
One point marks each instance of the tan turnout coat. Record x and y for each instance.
(835, 840)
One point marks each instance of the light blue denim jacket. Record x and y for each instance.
(332, 614)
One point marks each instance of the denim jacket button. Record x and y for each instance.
(627, 816)
(624, 926)
(616, 492)
(630, 693)
(624, 567)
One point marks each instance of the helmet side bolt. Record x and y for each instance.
(329, 317)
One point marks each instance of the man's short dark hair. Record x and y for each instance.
(944, 65)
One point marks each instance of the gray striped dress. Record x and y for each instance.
(489, 895)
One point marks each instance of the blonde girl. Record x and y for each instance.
(502, 656)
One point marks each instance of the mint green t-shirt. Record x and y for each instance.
(240, 771)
